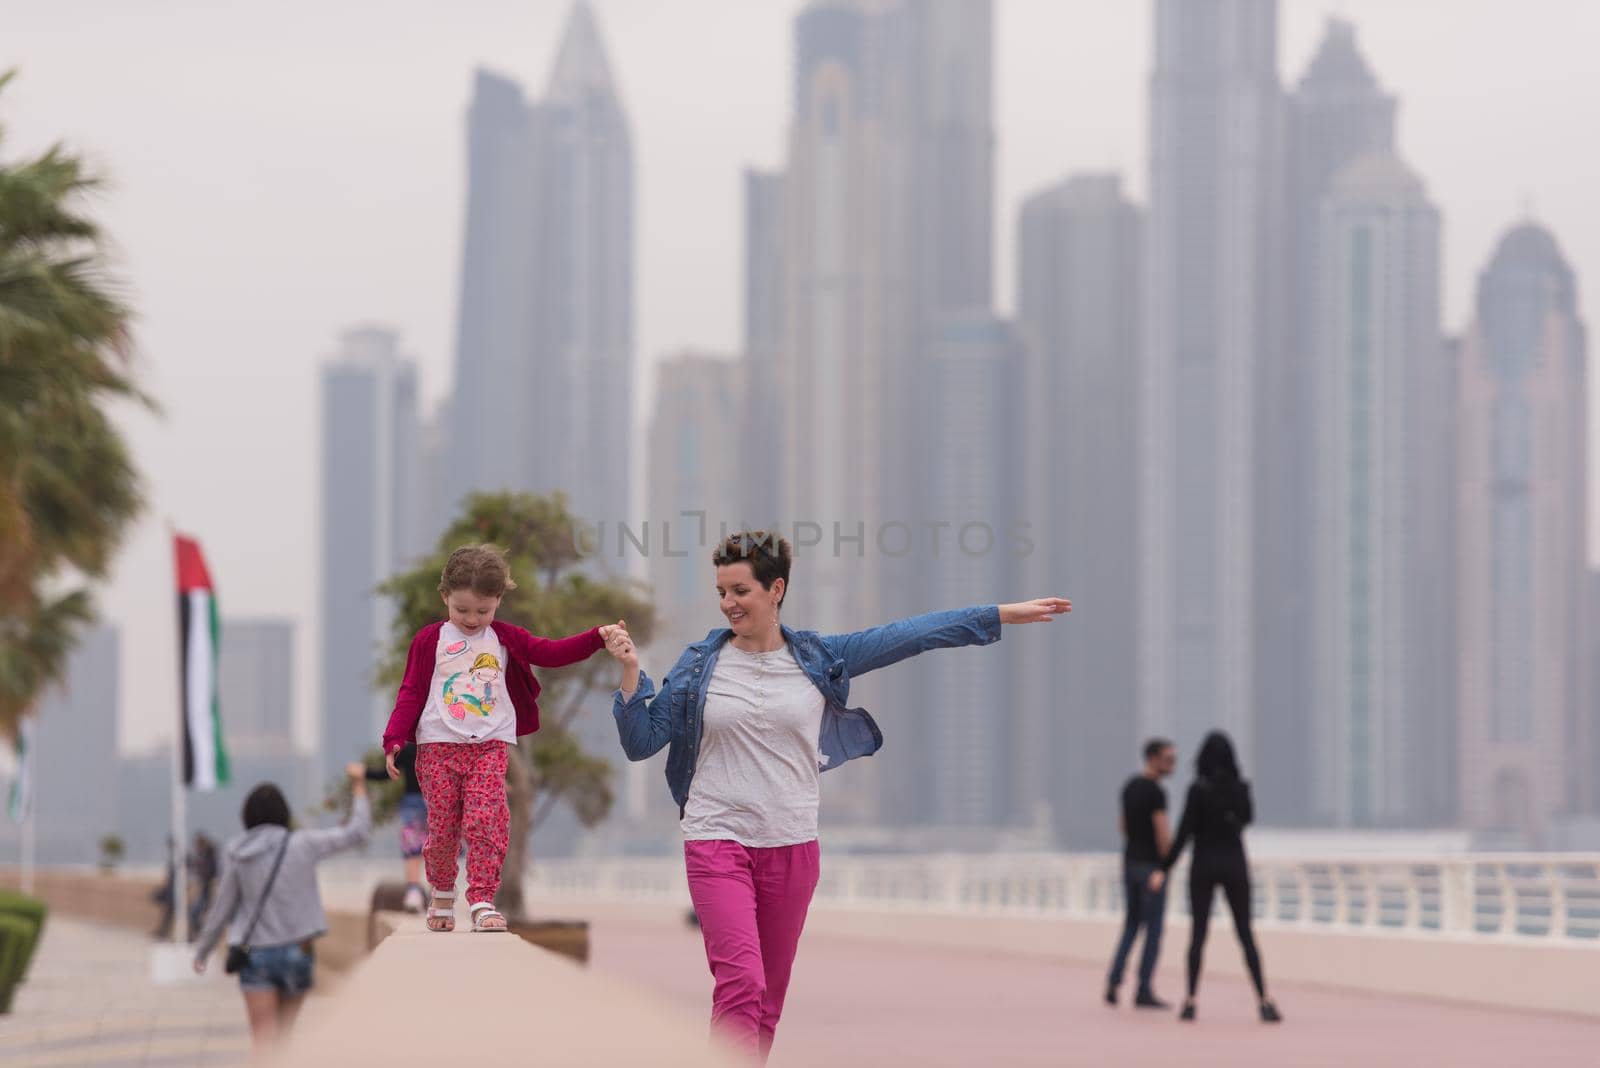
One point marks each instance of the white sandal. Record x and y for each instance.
(481, 922)
(442, 919)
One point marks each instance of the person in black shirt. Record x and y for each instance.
(413, 818)
(1217, 811)
(1147, 833)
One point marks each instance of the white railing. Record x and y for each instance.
(1542, 896)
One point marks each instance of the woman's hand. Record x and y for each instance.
(619, 643)
(1038, 610)
(358, 775)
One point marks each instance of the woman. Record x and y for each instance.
(278, 921)
(1215, 815)
(752, 714)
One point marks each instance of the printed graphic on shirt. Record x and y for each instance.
(472, 692)
(467, 700)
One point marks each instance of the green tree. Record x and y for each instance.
(555, 596)
(68, 489)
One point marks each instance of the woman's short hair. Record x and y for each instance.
(767, 554)
(265, 805)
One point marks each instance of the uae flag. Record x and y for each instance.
(205, 761)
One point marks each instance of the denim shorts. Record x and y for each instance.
(413, 813)
(286, 969)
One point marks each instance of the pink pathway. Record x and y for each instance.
(880, 1004)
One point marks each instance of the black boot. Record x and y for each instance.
(1148, 1000)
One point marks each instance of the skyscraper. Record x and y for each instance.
(1378, 722)
(544, 352)
(961, 737)
(74, 753)
(887, 208)
(696, 453)
(847, 298)
(951, 93)
(1078, 310)
(370, 529)
(697, 449)
(581, 290)
(255, 680)
(1214, 298)
(1336, 113)
(1522, 520)
(497, 377)
(763, 413)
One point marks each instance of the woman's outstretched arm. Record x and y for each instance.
(876, 647)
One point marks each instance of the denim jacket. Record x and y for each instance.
(649, 720)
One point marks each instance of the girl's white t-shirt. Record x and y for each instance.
(467, 700)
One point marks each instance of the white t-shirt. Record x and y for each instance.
(467, 700)
(755, 781)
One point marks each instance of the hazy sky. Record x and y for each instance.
(282, 170)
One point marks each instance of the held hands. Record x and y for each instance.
(1038, 610)
(1158, 879)
(619, 643)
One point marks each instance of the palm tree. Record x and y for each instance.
(68, 489)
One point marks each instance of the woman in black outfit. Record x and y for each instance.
(1215, 815)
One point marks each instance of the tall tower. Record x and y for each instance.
(847, 300)
(1377, 722)
(582, 284)
(965, 765)
(1079, 248)
(544, 358)
(1522, 518)
(1336, 113)
(1213, 287)
(759, 503)
(496, 375)
(887, 207)
(369, 520)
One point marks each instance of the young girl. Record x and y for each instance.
(468, 692)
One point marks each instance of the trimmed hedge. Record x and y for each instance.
(28, 908)
(21, 921)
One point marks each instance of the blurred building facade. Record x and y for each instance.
(371, 527)
(1522, 519)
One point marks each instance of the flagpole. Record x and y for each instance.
(180, 876)
(27, 850)
(22, 797)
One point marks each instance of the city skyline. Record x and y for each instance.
(1005, 207)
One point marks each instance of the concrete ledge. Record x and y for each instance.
(420, 995)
